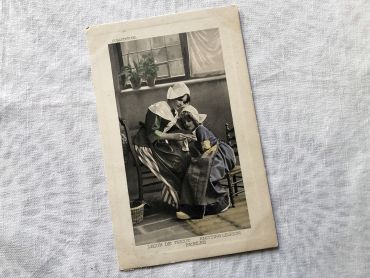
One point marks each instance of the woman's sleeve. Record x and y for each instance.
(152, 123)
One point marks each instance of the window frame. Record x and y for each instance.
(185, 58)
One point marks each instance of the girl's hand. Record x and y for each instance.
(192, 137)
(179, 136)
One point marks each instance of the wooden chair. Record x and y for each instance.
(145, 177)
(234, 177)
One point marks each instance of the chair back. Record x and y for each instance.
(230, 138)
(145, 177)
(130, 144)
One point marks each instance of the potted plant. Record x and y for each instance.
(134, 74)
(150, 70)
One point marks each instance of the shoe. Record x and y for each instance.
(228, 204)
(225, 209)
(190, 212)
(182, 215)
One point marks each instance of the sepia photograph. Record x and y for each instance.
(178, 140)
(183, 161)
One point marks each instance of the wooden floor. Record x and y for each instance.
(160, 223)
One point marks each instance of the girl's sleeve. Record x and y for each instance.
(203, 137)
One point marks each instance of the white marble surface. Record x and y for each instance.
(309, 64)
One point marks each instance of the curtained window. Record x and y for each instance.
(205, 53)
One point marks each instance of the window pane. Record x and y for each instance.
(174, 52)
(163, 70)
(143, 44)
(132, 59)
(129, 47)
(125, 60)
(157, 42)
(124, 48)
(177, 68)
(142, 54)
(160, 55)
(172, 39)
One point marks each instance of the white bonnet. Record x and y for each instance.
(177, 90)
(194, 112)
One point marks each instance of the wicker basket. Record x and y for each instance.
(137, 211)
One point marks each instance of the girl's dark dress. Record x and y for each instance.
(202, 192)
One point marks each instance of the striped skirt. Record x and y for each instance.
(169, 194)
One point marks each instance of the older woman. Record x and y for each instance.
(159, 142)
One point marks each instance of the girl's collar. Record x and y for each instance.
(195, 129)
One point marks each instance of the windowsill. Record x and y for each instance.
(166, 85)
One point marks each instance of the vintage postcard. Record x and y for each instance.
(183, 160)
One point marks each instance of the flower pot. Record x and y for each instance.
(150, 81)
(135, 83)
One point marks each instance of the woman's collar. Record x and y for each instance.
(163, 110)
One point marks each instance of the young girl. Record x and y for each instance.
(201, 193)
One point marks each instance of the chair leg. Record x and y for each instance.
(140, 184)
(235, 185)
(231, 193)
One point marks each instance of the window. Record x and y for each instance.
(205, 53)
(168, 53)
(183, 56)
